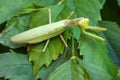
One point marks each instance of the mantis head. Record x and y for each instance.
(83, 23)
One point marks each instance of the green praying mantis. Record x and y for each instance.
(45, 32)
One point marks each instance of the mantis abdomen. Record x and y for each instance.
(41, 33)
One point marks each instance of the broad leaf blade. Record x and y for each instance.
(102, 2)
(95, 52)
(96, 72)
(112, 34)
(39, 58)
(40, 17)
(112, 54)
(85, 8)
(69, 71)
(118, 2)
(44, 72)
(118, 75)
(45, 3)
(14, 65)
(13, 27)
(9, 8)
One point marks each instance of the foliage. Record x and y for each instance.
(85, 58)
(119, 2)
(15, 66)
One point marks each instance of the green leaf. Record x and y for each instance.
(112, 54)
(102, 2)
(44, 72)
(61, 12)
(95, 52)
(9, 8)
(112, 35)
(56, 12)
(15, 66)
(118, 2)
(45, 3)
(118, 75)
(76, 32)
(39, 58)
(14, 26)
(83, 8)
(69, 71)
(40, 17)
(95, 72)
(27, 9)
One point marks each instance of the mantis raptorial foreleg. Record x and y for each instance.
(84, 25)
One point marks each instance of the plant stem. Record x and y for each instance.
(72, 46)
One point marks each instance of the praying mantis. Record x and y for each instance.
(45, 32)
